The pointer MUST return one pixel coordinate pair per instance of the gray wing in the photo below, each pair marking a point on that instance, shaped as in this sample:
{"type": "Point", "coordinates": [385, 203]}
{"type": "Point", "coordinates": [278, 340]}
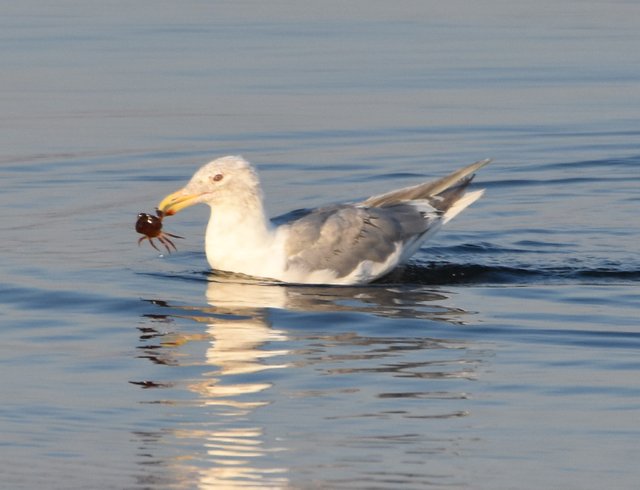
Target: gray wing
{"type": "Point", "coordinates": [340, 237]}
{"type": "Point", "coordinates": [447, 189]}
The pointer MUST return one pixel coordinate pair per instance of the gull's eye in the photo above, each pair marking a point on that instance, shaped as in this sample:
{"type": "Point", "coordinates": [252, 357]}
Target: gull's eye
{"type": "Point", "coordinates": [217, 178]}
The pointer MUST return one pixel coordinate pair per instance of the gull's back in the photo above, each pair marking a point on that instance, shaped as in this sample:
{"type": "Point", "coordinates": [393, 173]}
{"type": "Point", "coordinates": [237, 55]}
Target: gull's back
{"type": "Point", "coordinates": [358, 243]}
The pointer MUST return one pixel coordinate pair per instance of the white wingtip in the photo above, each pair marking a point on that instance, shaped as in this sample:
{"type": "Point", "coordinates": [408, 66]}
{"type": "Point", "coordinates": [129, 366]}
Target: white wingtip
{"type": "Point", "coordinates": [461, 204]}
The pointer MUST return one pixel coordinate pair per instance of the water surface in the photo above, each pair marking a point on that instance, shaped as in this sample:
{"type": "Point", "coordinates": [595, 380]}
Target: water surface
{"type": "Point", "coordinates": [504, 356]}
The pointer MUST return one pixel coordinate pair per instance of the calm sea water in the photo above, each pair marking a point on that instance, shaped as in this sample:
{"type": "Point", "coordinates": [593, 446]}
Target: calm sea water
{"type": "Point", "coordinates": [505, 356]}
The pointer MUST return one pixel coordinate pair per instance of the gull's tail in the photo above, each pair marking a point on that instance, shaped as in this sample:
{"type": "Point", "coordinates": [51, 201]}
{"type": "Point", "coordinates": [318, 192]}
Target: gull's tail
{"type": "Point", "coordinates": [446, 194]}
{"type": "Point", "coordinates": [467, 199]}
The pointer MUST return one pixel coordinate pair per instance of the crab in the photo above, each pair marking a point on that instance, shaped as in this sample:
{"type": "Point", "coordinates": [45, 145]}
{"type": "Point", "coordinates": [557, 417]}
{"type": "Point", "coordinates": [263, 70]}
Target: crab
{"type": "Point", "coordinates": [151, 227]}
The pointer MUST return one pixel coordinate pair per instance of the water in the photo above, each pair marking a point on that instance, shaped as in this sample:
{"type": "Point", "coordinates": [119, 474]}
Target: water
{"type": "Point", "coordinates": [505, 356]}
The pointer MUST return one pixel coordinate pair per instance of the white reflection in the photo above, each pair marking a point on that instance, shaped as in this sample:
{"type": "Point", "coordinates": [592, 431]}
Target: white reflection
{"type": "Point", "coordinates": [238, 349]}
{"type": "Point", "coordinates": [232, 451]}
{"type": "Point", "coordinates": [232, 454]}
{"type": "Point", "coordinates": [239, 295]}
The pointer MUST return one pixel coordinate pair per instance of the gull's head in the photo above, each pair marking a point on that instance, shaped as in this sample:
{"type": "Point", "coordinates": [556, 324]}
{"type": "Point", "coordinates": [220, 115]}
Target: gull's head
{"type": "Point", "coordinates": [225, 179]}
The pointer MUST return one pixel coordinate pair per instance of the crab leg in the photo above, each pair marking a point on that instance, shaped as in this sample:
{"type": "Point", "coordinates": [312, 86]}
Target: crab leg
{"type": "Point", "coordinates": [166, 242]}
{"type": "Point", "coordinates": [153, 244]}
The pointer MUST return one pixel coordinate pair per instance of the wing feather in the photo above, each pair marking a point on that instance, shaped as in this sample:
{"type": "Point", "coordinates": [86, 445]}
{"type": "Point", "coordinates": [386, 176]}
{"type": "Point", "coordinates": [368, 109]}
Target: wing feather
{"type": "Point", "coordinates": [339, 238]}
{"type": "Point", "coordinates": [428, 189]}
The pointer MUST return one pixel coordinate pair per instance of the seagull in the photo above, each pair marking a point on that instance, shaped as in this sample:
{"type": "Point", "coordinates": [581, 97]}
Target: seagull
{"type": "Point", "coordinates": [341, 244]}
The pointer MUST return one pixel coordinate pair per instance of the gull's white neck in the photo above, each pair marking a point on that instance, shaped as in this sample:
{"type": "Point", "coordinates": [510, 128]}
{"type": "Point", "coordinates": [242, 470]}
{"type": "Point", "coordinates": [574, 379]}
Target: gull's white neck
{"type": "Point", "coordinates": [240, 239]}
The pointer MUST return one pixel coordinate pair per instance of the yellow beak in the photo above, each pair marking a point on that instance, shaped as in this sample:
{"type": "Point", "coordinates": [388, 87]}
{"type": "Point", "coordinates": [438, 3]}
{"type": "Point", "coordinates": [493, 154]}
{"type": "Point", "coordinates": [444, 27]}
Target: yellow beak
{"type": "Point", "coordinates": [177, 201]}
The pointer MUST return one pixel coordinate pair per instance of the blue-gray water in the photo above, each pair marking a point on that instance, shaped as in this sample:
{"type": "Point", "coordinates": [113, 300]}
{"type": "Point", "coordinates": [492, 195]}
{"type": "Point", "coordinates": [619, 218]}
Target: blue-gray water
{"type": "Point", "coordinates": [506, 356]}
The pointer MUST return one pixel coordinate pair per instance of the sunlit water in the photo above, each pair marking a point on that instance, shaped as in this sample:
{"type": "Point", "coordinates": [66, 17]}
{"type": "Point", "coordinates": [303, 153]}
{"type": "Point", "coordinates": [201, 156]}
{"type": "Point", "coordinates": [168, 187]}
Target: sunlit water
{"type": "Point", "coordinates": [505, 356]}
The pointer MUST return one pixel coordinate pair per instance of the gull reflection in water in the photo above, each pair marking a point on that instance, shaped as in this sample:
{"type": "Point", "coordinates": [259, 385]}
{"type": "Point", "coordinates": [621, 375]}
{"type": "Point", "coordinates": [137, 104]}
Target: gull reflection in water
{"type": "Point", "coordinates": [241, 344]}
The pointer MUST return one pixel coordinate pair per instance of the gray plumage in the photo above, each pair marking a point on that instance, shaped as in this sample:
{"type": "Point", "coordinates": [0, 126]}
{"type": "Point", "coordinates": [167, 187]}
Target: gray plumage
{"type": "Point", "coordinates": [340, 237]}
{"type": "Point", "coordinates": [428, 189]}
